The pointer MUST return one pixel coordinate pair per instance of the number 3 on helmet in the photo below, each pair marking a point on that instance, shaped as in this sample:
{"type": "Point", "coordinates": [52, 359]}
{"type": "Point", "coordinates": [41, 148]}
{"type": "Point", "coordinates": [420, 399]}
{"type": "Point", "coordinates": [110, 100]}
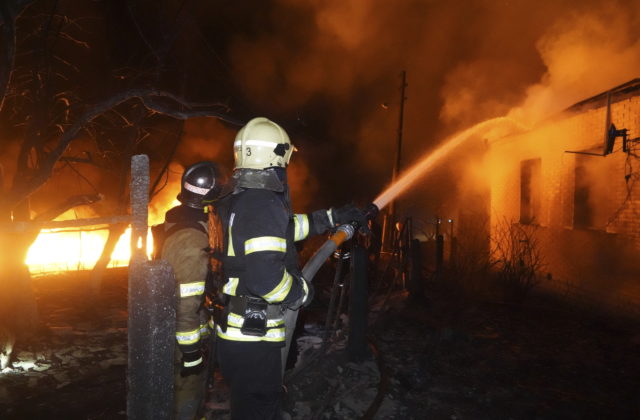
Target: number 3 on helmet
{"type": "Point", "coordinates": [262, 144]}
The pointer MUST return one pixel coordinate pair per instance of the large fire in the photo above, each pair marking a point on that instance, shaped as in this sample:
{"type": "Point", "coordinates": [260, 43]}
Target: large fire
{"type": "Point", "coordinates": [62, 250]}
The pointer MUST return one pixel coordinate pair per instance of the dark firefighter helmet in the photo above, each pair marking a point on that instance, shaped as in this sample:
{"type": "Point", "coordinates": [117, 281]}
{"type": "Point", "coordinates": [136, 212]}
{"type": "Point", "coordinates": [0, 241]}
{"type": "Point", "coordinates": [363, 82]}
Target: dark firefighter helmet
{"type": "Point", "coordinates": [200, 181]}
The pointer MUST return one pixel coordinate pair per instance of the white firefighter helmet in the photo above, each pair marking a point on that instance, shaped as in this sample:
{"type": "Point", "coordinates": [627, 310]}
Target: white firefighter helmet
{"type": "Point", "coordinates": [262, 144]}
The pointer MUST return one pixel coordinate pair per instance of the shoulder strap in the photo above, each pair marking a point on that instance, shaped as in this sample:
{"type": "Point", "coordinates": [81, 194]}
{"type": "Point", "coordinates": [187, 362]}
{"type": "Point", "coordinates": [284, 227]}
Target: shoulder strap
{"type": "Point", "coordinates": [185, 225]}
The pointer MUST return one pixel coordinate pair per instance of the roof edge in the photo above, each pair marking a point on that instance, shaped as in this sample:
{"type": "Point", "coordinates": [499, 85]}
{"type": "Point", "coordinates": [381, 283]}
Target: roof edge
{"type": "Point", "coordinates": [618, 93]}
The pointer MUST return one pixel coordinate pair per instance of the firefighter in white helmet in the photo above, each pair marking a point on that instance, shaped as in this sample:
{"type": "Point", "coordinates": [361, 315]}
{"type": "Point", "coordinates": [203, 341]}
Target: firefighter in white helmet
{"type": "Point", "coordinates": [261, 268]}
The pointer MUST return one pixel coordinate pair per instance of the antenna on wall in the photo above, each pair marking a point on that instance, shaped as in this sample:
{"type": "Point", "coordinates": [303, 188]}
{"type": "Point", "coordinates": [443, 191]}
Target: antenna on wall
{"type": "Point", "coordinates": [610, 139]}
{"type": "Point", "coordinates": [611, 133]}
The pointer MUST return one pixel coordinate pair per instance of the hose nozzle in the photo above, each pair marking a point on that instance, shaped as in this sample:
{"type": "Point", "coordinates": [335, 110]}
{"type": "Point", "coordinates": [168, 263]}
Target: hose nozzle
{"type": "Point", "coordinates": [371, 211]}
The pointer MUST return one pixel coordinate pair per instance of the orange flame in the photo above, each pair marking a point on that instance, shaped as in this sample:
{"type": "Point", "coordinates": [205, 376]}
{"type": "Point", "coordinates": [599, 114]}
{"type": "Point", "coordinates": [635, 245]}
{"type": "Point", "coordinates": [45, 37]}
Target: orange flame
{"type": "Point", "coordinates": [56, 250]}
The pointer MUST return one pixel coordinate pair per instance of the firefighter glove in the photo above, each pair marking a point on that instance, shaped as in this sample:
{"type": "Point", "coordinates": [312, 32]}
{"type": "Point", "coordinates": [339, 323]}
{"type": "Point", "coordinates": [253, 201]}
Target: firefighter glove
{"type": "Point", "coordinates": [307, 294]}
{"type": "Point", "coordinates": [192, 363]}
{"type": "Point", "coordinates": [350, 214]}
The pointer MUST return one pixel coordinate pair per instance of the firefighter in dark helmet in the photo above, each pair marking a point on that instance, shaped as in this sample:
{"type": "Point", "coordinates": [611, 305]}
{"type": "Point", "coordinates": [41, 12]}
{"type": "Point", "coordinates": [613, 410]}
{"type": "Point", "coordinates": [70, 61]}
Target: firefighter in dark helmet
{"type": "Point", "coordinates": [186, 245]}
{"type": "Point", "coordinates": [260, 268]}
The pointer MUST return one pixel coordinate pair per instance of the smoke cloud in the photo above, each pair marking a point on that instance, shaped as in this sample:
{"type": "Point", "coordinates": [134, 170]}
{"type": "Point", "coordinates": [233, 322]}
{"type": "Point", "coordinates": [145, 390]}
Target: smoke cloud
{"type": "Point", "coordinates": [588, 54]}
{"type": "Point", "coordinates": [334, 63]}
{"type": "Point", "coordinates": [583, 53]}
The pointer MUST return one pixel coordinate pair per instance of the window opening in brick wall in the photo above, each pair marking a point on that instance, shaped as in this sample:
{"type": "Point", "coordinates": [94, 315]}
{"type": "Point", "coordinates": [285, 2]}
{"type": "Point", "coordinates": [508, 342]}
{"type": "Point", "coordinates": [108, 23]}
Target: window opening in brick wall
{"type": "Point", "coordinates": [530, 191]}
{"type": "Point", "coordinates": [582, 213]}
{"type": "Point", "coordinates": [593, 193]}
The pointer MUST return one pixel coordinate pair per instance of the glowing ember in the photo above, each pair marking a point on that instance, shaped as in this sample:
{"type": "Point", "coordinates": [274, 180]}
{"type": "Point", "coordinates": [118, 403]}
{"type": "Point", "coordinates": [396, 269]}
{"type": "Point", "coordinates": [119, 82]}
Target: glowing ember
{"type": "Point", "coordinates": [428, 161]}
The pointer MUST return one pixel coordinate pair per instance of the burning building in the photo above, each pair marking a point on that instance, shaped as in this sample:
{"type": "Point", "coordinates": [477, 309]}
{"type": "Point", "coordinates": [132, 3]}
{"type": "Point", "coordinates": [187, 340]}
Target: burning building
{"type": "Point", "coordinates": [573, 180]}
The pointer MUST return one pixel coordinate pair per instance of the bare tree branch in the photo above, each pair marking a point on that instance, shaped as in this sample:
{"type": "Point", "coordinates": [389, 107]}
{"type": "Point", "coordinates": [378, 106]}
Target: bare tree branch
{"type": "Point", "coordinates": [68, 37]}
{"type": "Point", "coordinates": [69, 203]}
{"type": "Point", "coordinates": [154, 188]}
{"type": "Point", "coordinates": [88, 159]}
{"type": "Point", "coordinates": [8, 35]}
{"type": "Point", "coordinates": [166, 109]}
{"type": "Point", "coordinates": [25, 185]}
{"type": "Point", "coordinates": [9, 12]}
{"type": "Point", "coordinates": [141, 33]}
{"type": "Point", "coordinates": [115, 231]}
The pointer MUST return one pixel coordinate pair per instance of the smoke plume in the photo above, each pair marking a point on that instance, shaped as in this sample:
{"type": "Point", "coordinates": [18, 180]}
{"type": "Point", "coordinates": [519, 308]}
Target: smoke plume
{"type": "Point", "coordinates": [336, 65]}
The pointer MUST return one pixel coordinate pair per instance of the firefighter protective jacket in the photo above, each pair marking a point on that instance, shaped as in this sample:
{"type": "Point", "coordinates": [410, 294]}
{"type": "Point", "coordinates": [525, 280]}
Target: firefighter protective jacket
{"type": "Point", "coordinates": [185, 249]}
{"type": "Point", "coordinates": [260, 255]}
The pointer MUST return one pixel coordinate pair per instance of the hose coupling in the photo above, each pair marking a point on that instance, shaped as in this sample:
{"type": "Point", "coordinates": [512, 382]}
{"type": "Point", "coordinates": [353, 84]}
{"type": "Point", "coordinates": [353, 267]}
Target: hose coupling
{"type": "Point", "coordinates": [348, 230]}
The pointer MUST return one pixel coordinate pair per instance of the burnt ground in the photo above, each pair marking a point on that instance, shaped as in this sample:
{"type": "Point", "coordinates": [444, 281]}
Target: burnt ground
{"type": "Point", "coordinates": [447, 356]}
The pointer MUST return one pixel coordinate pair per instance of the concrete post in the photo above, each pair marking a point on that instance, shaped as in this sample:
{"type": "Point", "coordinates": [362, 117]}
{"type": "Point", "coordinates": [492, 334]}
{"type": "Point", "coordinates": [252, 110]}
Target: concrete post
{"type": "Point", "coordinates": [139, 196]}
{"type": "Point", "coordinates": [151, 308]}
{"type": "Point", "coordinates": [151, 328]}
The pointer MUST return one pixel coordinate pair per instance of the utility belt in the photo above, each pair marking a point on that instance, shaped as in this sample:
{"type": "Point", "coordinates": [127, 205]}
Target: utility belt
{"type": "Point", "coordinates": [254, 311]}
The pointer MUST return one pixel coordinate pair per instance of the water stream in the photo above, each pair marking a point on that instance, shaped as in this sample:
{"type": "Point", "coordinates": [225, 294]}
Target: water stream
{"type": "Point", "coordinates": [407, 178]}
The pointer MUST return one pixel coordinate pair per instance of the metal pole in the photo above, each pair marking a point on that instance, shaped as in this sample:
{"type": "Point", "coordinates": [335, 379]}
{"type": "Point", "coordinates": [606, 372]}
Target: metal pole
{"type": "Point", "coordinates": [451, 243]}
{"type": "Point", "coordinates": [416, 289]}
{"type": "Point", "coordinates": [396, 166]}
{"type": "Point", "coordinates": [439, 248]}
{"type": "Point", "coordinates": [334, 292]}
{"type": "Point", "coordinates": [385, 233]}
{"type": "Point", "coordinates": [343, 293]}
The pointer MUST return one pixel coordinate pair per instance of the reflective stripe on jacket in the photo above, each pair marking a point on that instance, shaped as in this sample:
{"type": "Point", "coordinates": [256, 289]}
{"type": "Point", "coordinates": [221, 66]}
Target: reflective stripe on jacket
{"type": "Point", "coordinates": [259, 235]}
{"type": "Point", "coordinates": [254, 260]}
{"type": "Point", "coordinates": [185, 250]}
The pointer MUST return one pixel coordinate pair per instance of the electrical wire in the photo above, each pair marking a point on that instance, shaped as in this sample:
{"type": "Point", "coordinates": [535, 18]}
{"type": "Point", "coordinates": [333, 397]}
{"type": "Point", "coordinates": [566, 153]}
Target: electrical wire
{"type": "Point", "coordinates": [630, 178]}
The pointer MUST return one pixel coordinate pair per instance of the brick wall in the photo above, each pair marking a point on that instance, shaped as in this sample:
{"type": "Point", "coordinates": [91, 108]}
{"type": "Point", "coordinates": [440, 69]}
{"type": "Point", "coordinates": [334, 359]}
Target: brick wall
{"type": "Point", "coordinates": [602, 259]}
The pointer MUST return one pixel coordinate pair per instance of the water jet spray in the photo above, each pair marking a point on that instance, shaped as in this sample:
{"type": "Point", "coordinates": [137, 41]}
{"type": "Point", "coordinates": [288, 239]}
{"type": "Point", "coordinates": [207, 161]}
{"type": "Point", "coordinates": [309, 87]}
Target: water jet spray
{"type": "Point", "coordinates": [429, 160]}
{"type": "Point", "coordinates": [346, 231]}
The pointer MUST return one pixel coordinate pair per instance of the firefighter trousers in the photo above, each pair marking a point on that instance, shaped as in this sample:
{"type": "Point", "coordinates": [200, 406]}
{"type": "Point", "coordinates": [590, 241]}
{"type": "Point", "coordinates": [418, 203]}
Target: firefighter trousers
{"type": "Point", "coordinates": [252, 371]}
{"type": "Point", "coordinates": [189, 392]}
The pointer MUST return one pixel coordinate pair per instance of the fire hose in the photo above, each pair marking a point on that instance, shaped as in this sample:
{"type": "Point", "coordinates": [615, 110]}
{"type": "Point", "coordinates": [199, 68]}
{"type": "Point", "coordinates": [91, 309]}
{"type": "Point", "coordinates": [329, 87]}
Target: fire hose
{"type": "Point", "coordinates": [342, 234]}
